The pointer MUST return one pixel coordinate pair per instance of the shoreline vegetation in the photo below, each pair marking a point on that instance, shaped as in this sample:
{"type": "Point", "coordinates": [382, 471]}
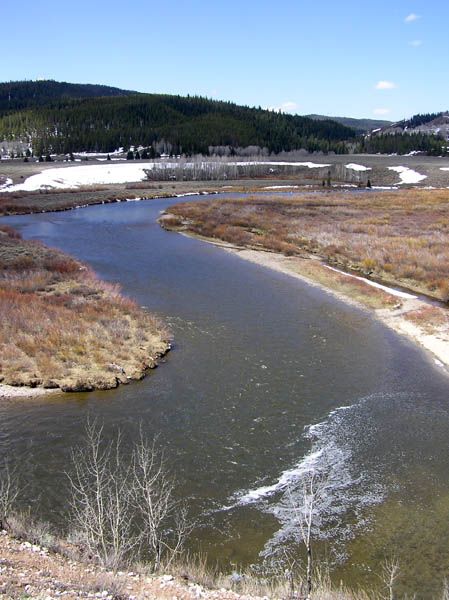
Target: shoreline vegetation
{"type": "Point", "coordinates": [64, 329]}
{"type": "Point", "coordinates": [387, 252]}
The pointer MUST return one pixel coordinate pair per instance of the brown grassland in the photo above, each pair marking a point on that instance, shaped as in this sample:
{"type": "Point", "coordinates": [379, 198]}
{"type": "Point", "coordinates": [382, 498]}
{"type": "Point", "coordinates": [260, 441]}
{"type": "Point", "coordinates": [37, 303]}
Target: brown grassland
{"type": "Point", "coordinates": [400, 238]}
{"type": "Point", "coordinates": [61, 327]}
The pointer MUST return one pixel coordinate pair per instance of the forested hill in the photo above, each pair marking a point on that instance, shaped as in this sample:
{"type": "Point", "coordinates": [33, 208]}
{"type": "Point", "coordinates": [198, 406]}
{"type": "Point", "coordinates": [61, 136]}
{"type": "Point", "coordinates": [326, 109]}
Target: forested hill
{"type": "Point", "coordinates": [52, 118]}
{"type": "Point", "coordinates": [16, 95]}
{"type": "Point", "coordinates": [360, 125]}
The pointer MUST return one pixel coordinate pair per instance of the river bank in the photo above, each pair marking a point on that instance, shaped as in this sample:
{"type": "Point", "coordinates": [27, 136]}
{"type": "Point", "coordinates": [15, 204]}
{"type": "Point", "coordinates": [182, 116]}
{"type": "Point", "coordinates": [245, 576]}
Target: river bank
{"type": "Point", "coordinates": [315, 240]}
{"type": "Point", "coordinates": [32, 570]}
{"type": "Point", "coordinates": [426, 325]}
{"type": "Point", "coordinates": [64, 329]}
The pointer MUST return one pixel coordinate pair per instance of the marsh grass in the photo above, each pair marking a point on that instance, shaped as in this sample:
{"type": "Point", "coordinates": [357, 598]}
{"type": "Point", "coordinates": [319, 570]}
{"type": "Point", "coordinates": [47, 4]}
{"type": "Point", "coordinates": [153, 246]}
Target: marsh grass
{"type": "Point", "coordinates": [398, 237]}
{"type": "Point", "coordinates": [63, 327]}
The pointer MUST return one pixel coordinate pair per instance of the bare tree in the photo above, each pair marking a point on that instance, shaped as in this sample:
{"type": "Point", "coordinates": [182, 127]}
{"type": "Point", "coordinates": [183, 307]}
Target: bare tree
{"type": "Point", "coordinates": [100, 498]}
{"type": "Point", "coordinates": [123, 508]}
{"type": "Point", "coordinates": [165, 526]}
{"type": "Point", "coordinates": [445, 591]}
{"type": "Point", "coordinates": [9, 492]}
{"type": "Point", "coordinates": [390, 573]}
{"type": "Point", "coordinates": [305, 511]}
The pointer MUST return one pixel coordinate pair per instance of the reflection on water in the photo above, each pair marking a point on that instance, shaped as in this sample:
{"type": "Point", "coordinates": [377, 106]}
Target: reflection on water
{"type": "Point", "coordinates": [250, 396]}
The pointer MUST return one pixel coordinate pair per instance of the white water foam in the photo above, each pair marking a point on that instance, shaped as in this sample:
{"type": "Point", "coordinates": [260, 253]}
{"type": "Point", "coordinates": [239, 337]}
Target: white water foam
{"type": "Point", "coordinates": [344, 488]}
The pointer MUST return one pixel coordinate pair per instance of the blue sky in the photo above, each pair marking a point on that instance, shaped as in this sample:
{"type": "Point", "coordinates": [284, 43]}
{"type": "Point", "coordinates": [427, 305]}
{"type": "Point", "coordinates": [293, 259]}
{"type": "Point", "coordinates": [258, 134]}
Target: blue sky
{"type": "Point", "coordinates": [379, 59]}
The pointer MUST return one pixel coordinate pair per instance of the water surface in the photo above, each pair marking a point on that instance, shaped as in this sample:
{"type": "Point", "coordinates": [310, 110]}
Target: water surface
{"type": "Point", "coordinates": [252, 394]}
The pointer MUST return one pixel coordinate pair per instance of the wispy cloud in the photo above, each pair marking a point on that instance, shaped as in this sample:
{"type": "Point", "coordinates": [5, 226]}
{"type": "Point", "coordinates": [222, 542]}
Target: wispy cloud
{"type": "Point", "coordinates": [385, 85]}
{"type": "Point", "coordinates": [411, 17]}
{"type": "Point", "coordinates": [286, 107]}
{"type": "Point", "coordinates": [415, 43]}
{"type": "Point", "coordinates": [381, 111]}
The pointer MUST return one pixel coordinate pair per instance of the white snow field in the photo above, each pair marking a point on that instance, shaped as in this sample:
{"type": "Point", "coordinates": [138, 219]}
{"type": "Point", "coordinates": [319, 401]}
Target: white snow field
{"type": "Point", "coordinates": [407, 175]}
{"type": "Point", "coordinates": [73, 177]}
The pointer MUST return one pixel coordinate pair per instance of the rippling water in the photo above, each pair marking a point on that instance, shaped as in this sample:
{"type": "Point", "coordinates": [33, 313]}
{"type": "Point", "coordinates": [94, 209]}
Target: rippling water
{"type": "Point", "coordinates": [268, 378]}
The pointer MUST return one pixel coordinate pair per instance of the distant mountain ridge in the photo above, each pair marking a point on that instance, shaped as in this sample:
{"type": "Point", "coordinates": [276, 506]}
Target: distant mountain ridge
{"type": "Point", "coordinates": [58, 117]}
{"type": "Point", "coordinates": [360, 125]}
{"type": "Point", "coordinates": [429, 124]}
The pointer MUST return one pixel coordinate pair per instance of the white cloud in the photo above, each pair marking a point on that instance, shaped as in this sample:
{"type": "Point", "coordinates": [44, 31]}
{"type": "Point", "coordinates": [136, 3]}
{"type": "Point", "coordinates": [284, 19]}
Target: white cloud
{"type": "Point", "coordinates": [411, 17]}
{"type": "Point", "coordinates": [285, 107]}
{"type": "Point", "coordinates": [416, 43]}
{"type": "Point", "coordinates": [385, 85]}
{"type": "Point", "coordinates": [381, 111]}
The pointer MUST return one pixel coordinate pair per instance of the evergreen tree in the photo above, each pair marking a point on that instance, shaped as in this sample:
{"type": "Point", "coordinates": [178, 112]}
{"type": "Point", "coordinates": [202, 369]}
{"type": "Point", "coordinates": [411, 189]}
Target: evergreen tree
{"type": "Point", "coordinates": [130, 155]}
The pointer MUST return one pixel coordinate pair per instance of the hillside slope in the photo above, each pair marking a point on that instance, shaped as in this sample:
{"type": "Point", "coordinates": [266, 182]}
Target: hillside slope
{"type": "Point", "coordinates": [17, 95]}
{"type": "Point", "coordinates": [360, 125]}
{"type": "Point", "coordinates": [52, 121]}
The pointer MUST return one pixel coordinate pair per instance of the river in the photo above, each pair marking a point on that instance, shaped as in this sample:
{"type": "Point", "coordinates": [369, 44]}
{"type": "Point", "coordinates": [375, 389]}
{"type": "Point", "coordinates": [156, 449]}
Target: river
{"type": "Point", "coordinates": [268, 377]}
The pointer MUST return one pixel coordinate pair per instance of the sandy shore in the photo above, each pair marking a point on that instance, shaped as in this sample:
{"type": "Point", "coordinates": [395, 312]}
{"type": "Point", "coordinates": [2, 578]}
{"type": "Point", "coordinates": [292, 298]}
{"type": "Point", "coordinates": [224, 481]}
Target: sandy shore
{"type": "Point", "coordinates": [397, 317]}
{"type": "Point", "coordinates": [10, 391]}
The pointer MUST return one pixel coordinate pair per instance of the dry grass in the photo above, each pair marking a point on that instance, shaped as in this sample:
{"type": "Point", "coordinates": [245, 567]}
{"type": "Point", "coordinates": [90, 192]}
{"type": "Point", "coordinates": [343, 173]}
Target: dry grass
{"type": "Point", "coordinates": [399, 237]}
{"type": "Point", "coordinates": [359, 291]}
{"type": "Point", "coordinates": [62, 327]}
{"type": "Point", "coordinates": [431, 319]}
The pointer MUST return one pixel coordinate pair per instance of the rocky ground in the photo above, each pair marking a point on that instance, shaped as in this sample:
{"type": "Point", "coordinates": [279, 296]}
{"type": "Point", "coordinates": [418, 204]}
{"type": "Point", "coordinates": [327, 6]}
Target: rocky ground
{"type": "Point", "coordinates": [31, 571]}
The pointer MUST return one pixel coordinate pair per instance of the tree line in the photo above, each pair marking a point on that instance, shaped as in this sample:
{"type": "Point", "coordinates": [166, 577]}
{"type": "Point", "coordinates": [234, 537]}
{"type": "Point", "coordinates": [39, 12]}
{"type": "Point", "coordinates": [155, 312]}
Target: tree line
{"type": "Point", "coordinates": [189, 124]}
{"type": "Point", "coordinates": [403, 143]}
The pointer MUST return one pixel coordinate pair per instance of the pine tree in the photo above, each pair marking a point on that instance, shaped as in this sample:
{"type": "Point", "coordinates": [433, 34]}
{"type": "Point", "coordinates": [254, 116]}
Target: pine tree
{"type": "Point", "coordinates": [130, 155]}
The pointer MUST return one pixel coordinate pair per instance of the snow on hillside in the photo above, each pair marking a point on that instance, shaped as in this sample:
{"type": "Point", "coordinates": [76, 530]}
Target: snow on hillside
{"type": "Point", "coordinates": [407, 175]}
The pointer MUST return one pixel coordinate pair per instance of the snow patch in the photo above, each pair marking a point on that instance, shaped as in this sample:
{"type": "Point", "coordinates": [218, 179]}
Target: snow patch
{"type": "Point", "coordinates": [279, 187]}
{"type": "Point", "coordinates": [73, 177]}
{"type": "Point", "coordinates": [356, 167]}
{"type": "Point", "coordinates": [392, 291]}
{"type": "Point", "coordinates": [407, 175]}
{"type": "Point", "coordinates": [7, 182]}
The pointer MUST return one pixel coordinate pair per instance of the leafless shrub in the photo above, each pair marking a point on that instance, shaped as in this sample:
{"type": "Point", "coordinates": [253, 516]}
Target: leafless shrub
{"type": "Point", "coordinates": [122, 509]}
{"type": "Point", "coordinates": [9, 492]}
{"type": "Point", "coordinates": [390, 574]}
